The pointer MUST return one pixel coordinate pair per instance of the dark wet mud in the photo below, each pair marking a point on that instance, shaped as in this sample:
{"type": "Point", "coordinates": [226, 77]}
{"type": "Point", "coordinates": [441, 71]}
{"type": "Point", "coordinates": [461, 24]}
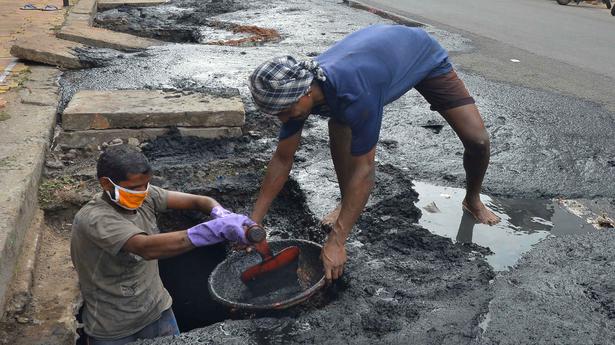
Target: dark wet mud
{"type": "Point", "coordinates": [187, 22]}
{"type": "Point", "coordinates": [401, 280]}
{"type": "Point", "coordinates": [278, 288]}
{"type": "Point", "coordinates": [562, 292]}
{"type": "Point", "coordinates": [177, 21]}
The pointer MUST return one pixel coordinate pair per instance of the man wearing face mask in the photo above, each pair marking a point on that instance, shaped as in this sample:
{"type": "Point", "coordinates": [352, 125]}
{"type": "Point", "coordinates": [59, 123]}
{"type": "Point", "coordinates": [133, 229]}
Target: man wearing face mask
{"type": "Point", "coordinates": [116, 243]}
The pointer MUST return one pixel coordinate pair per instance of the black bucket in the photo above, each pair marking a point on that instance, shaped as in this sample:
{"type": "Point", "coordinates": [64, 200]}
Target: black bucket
{"type": "Point", "coordinates": [284, 289]}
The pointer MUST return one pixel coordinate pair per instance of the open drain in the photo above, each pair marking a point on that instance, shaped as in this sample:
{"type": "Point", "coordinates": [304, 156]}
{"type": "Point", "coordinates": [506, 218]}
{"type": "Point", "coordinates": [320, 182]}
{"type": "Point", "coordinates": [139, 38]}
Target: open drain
{"type": "Point", "coordinates": [186, 276]}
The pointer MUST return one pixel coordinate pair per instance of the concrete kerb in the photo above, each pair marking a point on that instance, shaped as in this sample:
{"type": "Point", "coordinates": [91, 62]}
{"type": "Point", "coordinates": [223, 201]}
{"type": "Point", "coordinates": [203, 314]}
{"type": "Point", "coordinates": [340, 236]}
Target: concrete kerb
{"type": "Point", "coordinates": [20, 289]}
{"type": "Point", "coordinates": [23, 145]}
{"type": "Point", "coordinates": [91, 139]}
{"type": "Point", "coordinates": [78, 19]}
{"type": "Point", "coordinates": [84, 7]}
{"type": "Point", "coordinates": [384, 14]}
{"type": "Point", "coordinates": [78, 28]}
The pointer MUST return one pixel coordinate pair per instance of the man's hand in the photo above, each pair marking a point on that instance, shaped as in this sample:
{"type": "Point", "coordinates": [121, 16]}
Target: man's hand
{"type": "Point", "coordinates": [333, 257]}
{"type": "Point", "coordinates": [229, 228]}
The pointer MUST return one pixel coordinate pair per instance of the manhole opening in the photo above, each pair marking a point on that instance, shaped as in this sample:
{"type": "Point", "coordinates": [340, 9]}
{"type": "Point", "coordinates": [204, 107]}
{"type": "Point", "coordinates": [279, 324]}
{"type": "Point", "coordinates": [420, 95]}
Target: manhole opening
{"type": "Point", "coordinates": [186, 276]}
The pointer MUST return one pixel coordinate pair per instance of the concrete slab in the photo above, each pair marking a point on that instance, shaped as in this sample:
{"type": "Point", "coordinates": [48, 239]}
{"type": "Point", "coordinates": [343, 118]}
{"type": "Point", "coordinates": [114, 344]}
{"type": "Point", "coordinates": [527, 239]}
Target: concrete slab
{"type": "Point", "coordinates": [103, 38]}
{"type": "Point", "coordinates": [108, 4]}
{"type": "Point", "coordinates": [33, 97]}
{"type": "Point", "coordinates": [78, 19]}
{"type": "Point", "coordinates": [93, 138]}
{"type": "Point", "coordinates": [85, 7]}
{"type": "Point", "coordinates": [48, 50]}
{"type": "Point", "coordinates": [26, 134]}
{"type": "Point", "coordinates": [91, 109]}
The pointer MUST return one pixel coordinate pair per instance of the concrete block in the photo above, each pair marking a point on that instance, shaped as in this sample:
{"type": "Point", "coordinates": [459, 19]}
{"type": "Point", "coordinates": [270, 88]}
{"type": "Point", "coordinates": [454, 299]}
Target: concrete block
{"type": "Point", "coordinates": [48, 50]}
{"type": "Point", "coordinates": [108, 4]}
{"type": "Point", "coordinates": [103, 38]}
{"type": "Point", "coordinates": [91, 109]}
{"type": "Point", "coordinates": [78, 19]}
{"type": "Point", "coordinates": [85, 7]}
{"type": "Point", "coordinates": [94, 138]}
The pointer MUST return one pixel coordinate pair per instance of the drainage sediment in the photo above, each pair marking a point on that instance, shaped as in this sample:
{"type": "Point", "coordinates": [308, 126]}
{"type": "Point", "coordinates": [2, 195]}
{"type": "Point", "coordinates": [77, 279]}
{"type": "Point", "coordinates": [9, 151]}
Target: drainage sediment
{"type": "Point", "coordinates": [186, 22]}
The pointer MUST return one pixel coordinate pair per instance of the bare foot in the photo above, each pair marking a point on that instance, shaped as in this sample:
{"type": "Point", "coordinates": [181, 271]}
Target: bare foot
{"type": "Point", "coordinates": [480, 212]}
{"type": "Point", "coordinates": [327, 222]}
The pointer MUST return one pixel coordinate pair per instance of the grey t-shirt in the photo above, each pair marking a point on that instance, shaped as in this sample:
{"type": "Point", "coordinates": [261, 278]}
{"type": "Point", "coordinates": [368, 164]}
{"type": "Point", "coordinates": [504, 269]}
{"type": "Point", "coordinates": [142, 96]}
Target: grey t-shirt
{"type": "Point", "coordinates": [122, 292]}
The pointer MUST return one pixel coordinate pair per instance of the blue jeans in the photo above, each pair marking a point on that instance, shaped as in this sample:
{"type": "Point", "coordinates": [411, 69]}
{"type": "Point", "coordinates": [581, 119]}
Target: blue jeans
{"type": "Point", "coordinates": [164, 326]}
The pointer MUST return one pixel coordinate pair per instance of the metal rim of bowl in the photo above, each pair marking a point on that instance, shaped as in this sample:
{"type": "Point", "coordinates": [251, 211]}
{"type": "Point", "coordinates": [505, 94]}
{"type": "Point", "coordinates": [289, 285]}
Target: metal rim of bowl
{"type": "Point", "coordinates": [272, 306]}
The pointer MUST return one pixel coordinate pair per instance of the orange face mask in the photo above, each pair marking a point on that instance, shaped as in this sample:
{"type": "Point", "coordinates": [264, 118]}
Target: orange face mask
{"type": "Point", "coordinates": [127, 198]}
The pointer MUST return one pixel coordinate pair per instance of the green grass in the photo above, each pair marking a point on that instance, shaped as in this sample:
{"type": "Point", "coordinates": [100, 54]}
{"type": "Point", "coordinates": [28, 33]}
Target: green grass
{"type": "Point", "coordinates": [51, 191]}
{"type": "Point", "coordinates": [4, 116]}
{"type": "Point", "coordinates": [7, 163]}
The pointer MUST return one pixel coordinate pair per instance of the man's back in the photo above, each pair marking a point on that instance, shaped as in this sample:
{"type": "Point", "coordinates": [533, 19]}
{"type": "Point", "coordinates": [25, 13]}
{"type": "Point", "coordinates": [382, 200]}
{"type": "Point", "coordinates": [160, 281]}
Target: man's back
{"type": "Point", "coordinates": [393, 58]}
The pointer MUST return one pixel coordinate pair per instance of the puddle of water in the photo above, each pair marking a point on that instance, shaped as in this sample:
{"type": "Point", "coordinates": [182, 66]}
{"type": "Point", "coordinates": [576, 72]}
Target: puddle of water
{"type": "Point", "coordinates": [525, 222]}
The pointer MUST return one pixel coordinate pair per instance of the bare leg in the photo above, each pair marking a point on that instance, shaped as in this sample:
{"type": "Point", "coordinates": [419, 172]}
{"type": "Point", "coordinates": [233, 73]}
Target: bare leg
{"type": "Point", "coordinates": [468, 124]}
{"type": "Point", "coordinates": [339, 143]}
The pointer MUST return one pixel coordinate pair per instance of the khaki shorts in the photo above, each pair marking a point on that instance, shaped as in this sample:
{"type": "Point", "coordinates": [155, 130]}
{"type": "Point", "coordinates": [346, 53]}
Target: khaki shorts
{"type": "Point", "coordinates": [444, 92]}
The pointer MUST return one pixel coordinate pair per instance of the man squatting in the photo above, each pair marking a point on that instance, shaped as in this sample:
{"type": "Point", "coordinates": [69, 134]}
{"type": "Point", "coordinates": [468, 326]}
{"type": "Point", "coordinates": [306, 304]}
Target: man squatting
{"type": "Point", "coordinates": [350, 83]}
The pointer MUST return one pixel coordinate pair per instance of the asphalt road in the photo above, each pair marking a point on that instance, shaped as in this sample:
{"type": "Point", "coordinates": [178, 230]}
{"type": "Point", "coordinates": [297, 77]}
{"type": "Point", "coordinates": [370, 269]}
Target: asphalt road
{"type": "Point", "coordinates": [582, 36]}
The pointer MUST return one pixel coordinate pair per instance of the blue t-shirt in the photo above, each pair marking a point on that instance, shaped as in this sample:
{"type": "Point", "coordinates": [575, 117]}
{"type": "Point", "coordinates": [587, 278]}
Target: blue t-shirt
{"type": "Point", "coordinates": [369, 69]}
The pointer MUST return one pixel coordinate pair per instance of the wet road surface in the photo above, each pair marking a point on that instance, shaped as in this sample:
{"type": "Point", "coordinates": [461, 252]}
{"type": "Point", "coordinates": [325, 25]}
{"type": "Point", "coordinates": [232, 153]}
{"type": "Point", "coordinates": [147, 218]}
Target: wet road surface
{"type": "Point", "coordinates": [572, 34]}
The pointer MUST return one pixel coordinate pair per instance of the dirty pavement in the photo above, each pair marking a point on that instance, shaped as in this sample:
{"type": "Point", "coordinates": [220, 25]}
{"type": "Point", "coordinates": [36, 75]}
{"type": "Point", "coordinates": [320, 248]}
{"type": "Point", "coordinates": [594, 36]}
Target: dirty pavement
{"type": "Point", "coordinates": [403, 283]}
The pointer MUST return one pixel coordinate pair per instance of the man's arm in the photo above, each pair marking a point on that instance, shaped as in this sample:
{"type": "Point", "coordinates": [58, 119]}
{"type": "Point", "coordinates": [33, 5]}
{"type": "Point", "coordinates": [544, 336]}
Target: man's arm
{"type": "Point", "coordinates": [158, 246]}
{"type": "Point", "coordinates": [276, 176]}
{"type": "Point", "coordinates": [170, 244]}
{"type": "Point", "coordinates": [355, 197]}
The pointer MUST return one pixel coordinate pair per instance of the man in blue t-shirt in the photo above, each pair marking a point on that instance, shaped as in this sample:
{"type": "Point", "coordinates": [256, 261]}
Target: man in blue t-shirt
{"type": "Point", "coordinates": [350, 83]}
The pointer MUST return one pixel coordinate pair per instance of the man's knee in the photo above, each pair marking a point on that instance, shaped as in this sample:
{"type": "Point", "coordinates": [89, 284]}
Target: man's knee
{"type": "Point", "coordinates": [478, 144]}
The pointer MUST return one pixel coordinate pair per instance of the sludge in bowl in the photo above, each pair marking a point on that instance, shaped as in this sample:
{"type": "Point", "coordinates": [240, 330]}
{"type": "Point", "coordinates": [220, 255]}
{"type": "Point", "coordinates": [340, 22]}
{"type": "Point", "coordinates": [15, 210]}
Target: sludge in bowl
{"type": "Point", "coordinates": [282, 289]}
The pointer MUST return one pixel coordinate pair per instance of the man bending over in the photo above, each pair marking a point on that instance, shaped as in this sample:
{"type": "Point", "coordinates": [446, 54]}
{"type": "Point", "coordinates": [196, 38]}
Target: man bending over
{"type": "Point", "coordinates": [350, 83]}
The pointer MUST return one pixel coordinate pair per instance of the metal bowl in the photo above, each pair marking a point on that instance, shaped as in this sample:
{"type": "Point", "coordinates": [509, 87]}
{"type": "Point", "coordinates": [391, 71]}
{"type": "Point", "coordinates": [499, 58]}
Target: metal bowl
{"type": "Point", "coordinates": [280, 291]}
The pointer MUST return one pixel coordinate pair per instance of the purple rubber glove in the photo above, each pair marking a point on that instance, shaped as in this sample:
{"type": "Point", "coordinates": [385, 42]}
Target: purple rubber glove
{"type": "Point", "coordinates": [219, 212]}
{"type": "Point", "coordinates": [228, 228]}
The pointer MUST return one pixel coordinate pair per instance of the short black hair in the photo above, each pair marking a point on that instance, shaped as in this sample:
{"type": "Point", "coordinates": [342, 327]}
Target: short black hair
{"type": "Point", "coordinates": [119, 161]}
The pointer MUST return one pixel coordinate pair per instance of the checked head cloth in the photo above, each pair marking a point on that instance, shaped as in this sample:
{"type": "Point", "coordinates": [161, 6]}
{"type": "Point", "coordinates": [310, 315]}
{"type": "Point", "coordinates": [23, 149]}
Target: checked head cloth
{"type": "Point", "coordinates": [280, 82]}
